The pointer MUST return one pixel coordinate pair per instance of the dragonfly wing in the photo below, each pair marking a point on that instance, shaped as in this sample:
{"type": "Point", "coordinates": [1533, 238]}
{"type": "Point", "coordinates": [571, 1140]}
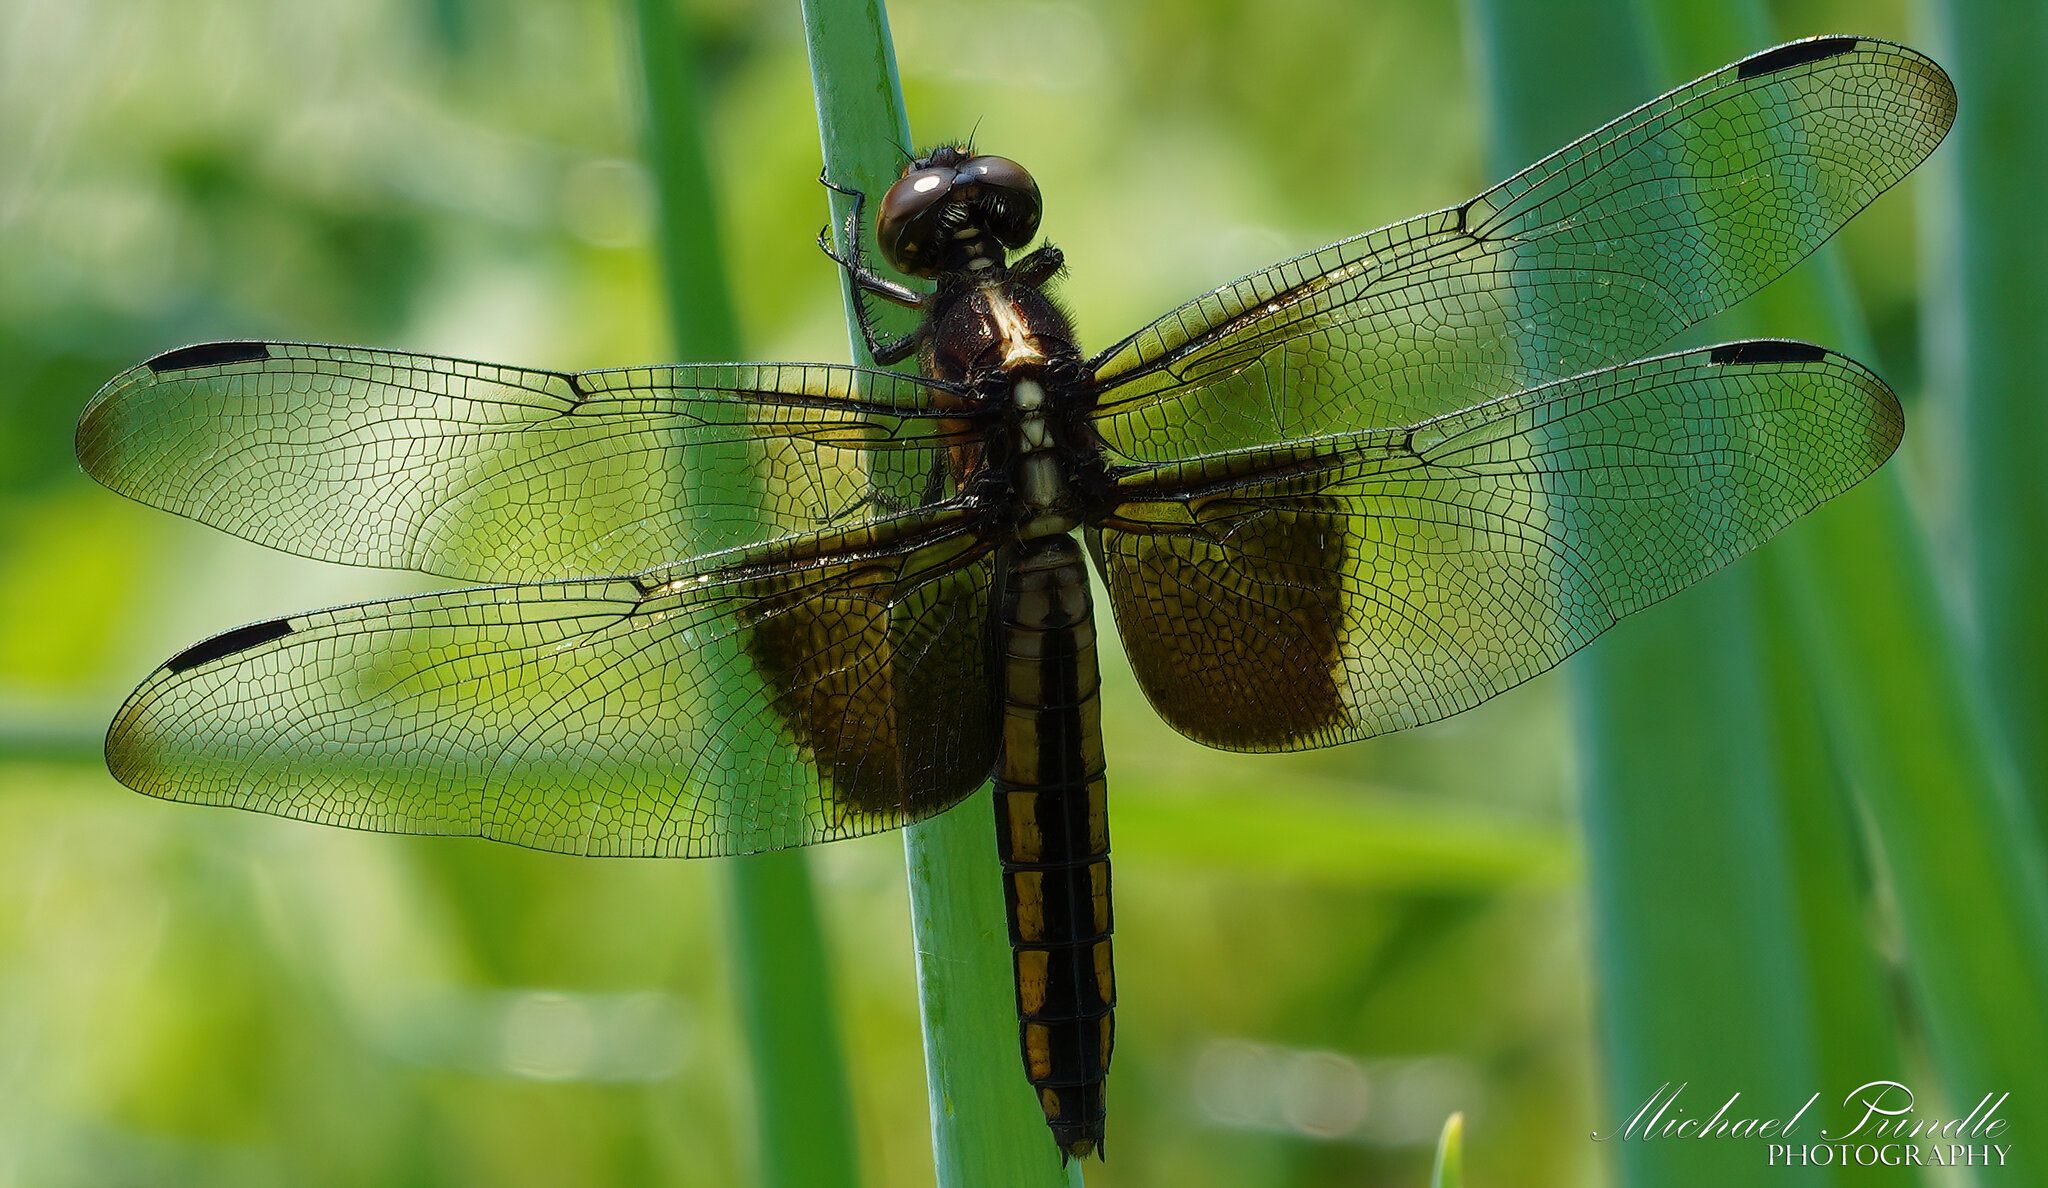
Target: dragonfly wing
{"type": "Point", "coordinates": [1298, 596]}
{"type": "Point", "coordinates": [770, 698]}
{"type": "Point", "coordinates": [489, 473]}
{"type": "Point", "coordinates": [1593, 255]}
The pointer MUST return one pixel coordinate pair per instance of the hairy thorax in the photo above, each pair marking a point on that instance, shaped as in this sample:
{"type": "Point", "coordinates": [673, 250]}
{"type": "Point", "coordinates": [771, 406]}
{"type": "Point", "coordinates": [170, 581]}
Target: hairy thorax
{"type": "Point", "coordinates": [1010, 345]}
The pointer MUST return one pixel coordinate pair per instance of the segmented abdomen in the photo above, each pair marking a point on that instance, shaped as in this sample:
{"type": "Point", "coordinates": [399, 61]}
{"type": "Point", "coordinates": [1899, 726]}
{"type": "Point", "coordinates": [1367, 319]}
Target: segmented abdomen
{"type": "Point", "coordinates": [1052, 826]}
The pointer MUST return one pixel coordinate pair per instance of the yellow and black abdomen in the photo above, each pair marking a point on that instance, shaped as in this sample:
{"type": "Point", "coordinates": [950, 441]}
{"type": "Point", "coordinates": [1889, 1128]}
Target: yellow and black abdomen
{"type": "Point", "coordinates": [1052, 828]}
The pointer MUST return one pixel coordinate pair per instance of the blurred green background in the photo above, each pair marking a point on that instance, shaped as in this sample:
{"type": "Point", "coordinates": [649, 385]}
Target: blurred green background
{"type": "Point", "coordinates": [1320, 956]}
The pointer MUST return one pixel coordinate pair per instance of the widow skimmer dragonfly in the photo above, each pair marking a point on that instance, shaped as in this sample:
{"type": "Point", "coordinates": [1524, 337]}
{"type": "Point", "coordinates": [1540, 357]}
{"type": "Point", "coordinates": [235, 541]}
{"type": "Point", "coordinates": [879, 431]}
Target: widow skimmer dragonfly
{"type": "Point", "coordinates": [754, 606]}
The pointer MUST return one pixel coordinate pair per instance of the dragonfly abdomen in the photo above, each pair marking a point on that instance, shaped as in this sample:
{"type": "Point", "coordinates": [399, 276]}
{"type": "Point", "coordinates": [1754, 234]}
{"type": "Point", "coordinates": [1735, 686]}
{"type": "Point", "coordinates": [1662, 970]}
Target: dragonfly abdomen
{"type": "Point", "coordinates": [1052, 828]}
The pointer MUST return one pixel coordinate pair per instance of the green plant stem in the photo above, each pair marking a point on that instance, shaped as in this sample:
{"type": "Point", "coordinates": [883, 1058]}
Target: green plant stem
{"type": "Point", "coordinates": [1450, 1155]}
{"type": "Point", "coordinates": [688, 236]}
{"type": "Point", "coordinates": [1952, 828]}
{"type": "Point", "coordinates": [1852, 1023]}
{"type": "Point", "coordinates": [1986, 352]}
{"type": "Point", "coordinates": [782, 983]}
{"type": "Point", "coordinates": [1955, 838]}
{"type": "Point", "coordinates": [1687, 851]}
{"type": "Point", "coordinates": [986, 1127]}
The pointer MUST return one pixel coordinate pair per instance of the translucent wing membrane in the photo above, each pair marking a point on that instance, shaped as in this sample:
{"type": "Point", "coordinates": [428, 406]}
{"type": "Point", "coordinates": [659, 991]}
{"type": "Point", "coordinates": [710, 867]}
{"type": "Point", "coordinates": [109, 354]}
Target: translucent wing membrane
{"type": "Point", "coordinates": [772, 697]}
{"type": "Point", "coordinates": [1362, 490]}
{"type": "Point", "coordinates": [1295, 596]}
{"type": "Point", "coordinates": [1602, 250]}
{"type": "Point", "coordinates": [493, 473]}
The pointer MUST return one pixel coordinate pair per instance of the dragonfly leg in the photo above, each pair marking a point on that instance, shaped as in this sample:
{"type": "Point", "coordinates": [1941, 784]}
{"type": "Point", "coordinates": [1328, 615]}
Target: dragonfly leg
{"type": "Point", "coordinates": [864, 280]}
{"type": "Point", "coordinates": [1040, 267]}
{"type": "Point", "coordinates": [878, 499]}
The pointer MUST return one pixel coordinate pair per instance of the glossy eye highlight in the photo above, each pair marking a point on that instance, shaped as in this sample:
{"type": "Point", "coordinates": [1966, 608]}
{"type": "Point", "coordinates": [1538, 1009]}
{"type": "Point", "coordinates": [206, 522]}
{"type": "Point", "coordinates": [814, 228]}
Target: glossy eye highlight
{"type": "Point", "coordinates": [911, 212]}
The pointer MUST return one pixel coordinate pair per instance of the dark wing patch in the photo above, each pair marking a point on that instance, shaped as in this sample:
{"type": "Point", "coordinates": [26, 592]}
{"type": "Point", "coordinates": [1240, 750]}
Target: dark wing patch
{"type": "Point", "coordinates": [1666, 216]}
{"type": "Point", "coordinates": [482, 472]}
{"type": "Point", "coordinates": [773, 697]}
{"type": "Point", "coordinates": [868, 668]}
{"type": "Point", "coordinates": [1797, 53]}
{"type": "Point", "coordinates": [208, 354]}
{"type": "Point", "coordinates": [1767, 350]}
{"type": "Point", "coordinates": [1244, 589]}
{"type": "Point", "coordinates": [227, 643]}
{"type": "Point", "coordinates": [1317, 593]}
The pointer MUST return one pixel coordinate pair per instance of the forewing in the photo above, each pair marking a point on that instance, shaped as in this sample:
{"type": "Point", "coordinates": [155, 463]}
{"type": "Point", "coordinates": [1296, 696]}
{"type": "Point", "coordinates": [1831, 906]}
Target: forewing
{"type": "Point", "coordinates": [489, 473]}
{"type": "Point", "coordinates": [1606, 248]}
{"type": "Point", "coordinates": [774, 698]}
{"type": "Point", "coordinates": [1300, 596]}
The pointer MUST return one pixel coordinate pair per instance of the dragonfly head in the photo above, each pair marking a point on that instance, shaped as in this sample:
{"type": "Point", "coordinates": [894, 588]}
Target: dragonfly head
{"type": "Point", "coordinates": [952, 207]}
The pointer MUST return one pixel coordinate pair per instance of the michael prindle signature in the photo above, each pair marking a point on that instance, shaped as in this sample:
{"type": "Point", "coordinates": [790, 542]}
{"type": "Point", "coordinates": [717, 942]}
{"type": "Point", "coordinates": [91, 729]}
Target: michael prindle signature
{"type": "Point", "coordinates": [1876, 1125]}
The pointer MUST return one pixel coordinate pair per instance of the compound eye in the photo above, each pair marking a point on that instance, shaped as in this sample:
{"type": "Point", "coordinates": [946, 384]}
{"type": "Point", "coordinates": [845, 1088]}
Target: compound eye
{"type": "Point", "coordinates": [905, 228]}
{"type": "Point", "coordinates": [1009, 203]}
{"type": "Point", "coordinates": [998, 171]}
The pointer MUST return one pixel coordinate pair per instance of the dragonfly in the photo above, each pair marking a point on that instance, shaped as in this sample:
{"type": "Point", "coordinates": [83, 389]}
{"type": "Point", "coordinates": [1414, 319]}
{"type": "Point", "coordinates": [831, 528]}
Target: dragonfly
{"type": "Point", "coordinates": [726, 608]}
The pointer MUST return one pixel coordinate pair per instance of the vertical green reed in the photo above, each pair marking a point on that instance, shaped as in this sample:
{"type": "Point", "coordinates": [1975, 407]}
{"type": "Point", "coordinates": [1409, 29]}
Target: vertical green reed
{"type": "Point", "coordinates": [1985, 308]}
{"type": "Point", "coordinates": [1732, 915]}
{"type": "Point", "coordinates": [803, 1118]}
{"type": "Point", "coordinates": [1449, 1171]}
{"type": "Point", "coordinates": [986, 1127]}
{"type": "Point", "coordinates": [1694, 905]}
{"type": "Point", "coordinates": [1953, 835]}
{"type": "Point", "coordinates": [1838, 976]}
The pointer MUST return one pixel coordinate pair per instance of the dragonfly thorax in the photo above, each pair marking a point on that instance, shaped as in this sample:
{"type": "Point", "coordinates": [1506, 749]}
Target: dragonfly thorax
{"type": "Point", "coordinates": [1010, 344]}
